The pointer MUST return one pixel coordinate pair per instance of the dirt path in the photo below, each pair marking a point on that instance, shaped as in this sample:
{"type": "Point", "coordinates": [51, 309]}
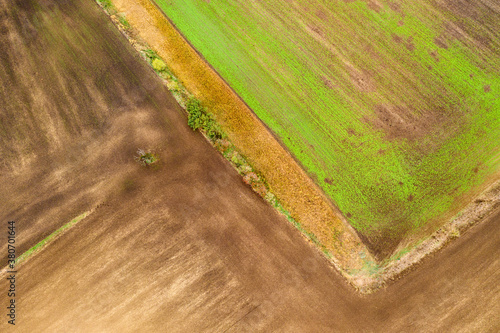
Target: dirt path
{"type": "Point", "coordinates": [188, 247]}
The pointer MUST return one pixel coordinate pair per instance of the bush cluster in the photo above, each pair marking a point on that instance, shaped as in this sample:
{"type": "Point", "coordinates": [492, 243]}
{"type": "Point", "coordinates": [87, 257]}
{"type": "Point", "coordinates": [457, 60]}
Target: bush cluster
{"type": "Point", "coordinates": [159, 65]}
{"type": "Point", "coordinates": [107, 5]}
{"type": "Point", "coordinates": [199, 118]}
{"type": "Point", "coordinates": [146, 157]}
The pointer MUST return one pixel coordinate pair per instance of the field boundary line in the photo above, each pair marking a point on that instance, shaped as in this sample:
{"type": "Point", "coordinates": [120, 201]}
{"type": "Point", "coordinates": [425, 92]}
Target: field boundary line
{"type": "Point", "coordinates": [287, 180]}
{"type": "Point", "coordinates": [44, 243]}
{"type": "Point", "coordinates": [342, 248]}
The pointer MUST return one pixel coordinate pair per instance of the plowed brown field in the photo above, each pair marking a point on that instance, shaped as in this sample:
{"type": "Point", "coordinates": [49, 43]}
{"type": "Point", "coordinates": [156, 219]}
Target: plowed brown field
{"type": "Point", "coordinates": [186, 247]}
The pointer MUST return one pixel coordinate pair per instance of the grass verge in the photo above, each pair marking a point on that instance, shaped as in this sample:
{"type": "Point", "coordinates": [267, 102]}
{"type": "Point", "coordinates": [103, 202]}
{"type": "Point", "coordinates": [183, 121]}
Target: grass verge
{"type": "Point", "coordinates": [50, 238]}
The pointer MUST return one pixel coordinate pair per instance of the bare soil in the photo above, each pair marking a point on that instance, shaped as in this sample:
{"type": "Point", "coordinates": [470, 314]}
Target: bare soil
{"type": "Point", "coordinates": [76, 104]}
{"type": "Point", "coordinates": [398, 122]}
{"type": "Point", "coordinates": [186, 247]}
{"type": "Point", "coordinates": [211, 256]}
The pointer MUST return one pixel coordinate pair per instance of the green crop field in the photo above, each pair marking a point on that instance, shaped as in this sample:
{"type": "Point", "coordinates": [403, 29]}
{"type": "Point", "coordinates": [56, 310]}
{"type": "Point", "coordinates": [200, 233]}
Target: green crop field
{"type": "Point", "coordinates": [393, 108]}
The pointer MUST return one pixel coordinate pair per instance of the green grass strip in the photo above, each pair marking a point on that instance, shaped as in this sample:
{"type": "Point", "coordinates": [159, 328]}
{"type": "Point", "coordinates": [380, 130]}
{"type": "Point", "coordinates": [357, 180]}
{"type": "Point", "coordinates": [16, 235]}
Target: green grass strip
{"type": "Point", "coordinates": [38, 247]}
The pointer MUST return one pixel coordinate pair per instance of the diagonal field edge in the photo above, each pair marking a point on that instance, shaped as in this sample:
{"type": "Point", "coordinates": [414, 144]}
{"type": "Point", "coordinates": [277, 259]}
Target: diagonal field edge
{"type": "Point", "coordinates": [371, 274]}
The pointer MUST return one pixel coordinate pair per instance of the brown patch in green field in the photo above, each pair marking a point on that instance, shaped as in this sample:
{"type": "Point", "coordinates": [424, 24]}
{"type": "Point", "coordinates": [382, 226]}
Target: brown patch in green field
{"type": "Point", "coordinates": [383, 242]}
{"type": "Point", "coordinates": [441, 42]}
{"type": "Point", "coordinates": [361, 79]}
{"type": "Point", "coordinates": [399, 122]}
{"type": "Point", "coordinates": [472, 23]}
{"type": "Point", "coordinates": [327, 82]}
{"type": "Point", "coordinates": [375, 5]}
{"type": "Point", "coordinates": [408, 42]}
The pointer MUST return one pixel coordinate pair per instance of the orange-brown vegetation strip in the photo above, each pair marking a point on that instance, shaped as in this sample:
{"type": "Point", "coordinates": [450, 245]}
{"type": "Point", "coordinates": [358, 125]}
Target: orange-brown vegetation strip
{"type": "Point", "coordinates": [295, 190]}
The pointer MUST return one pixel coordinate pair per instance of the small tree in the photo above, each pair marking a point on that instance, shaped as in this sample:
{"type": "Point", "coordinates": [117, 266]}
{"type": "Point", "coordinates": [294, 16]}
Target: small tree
{"type": "Point", "coordinates": [145, 157]}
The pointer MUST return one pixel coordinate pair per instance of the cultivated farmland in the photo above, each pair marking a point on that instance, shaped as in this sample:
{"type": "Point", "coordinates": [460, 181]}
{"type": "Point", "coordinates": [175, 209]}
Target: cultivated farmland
{"type": "Point", "coordinates": [392, 108]}
{"type": "Point", "coordinates": [71, 96]}
{"type": "Point", "coordinates": [185, 246]}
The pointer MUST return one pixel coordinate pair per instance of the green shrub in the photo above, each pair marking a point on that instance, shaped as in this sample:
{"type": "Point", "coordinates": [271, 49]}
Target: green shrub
{"type": "Point", "coordinates": [124, 21]}
{"type": "Point", "coordinates": [214, 131]}
{"type": "Point", "coordinates": [195, 114]}
{"type": "Point", "coordinates": [198, 118]}
{"type": "Point", "coordinates": [150, 54]}
{"type": "Point", "coordinates": [237, 160]}
{"type": "Point", "coordinates": [159, 65]}
{"type": "Point", "coordinates": [106, 4]}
